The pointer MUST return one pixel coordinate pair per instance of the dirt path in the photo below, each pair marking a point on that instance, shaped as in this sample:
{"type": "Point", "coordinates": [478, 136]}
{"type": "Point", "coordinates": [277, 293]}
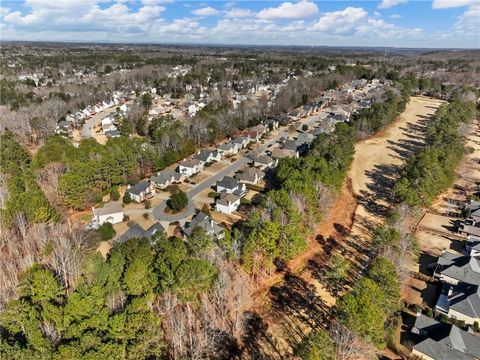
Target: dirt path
{"type": "Point", "coordinates": [298, 302]}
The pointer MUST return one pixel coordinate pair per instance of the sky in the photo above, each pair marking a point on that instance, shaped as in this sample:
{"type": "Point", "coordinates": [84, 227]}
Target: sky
{"type": "Point", "coordinates": [393, 23]}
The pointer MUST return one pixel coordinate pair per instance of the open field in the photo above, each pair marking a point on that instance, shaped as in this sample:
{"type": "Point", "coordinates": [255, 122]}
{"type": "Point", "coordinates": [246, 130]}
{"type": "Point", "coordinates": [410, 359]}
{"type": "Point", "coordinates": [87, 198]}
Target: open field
{"type": "Point", "coordinates": [299, 301]}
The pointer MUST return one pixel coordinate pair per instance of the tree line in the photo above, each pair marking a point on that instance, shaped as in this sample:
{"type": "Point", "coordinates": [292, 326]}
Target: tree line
{"type": "Point", "coordinates": [431, 171]}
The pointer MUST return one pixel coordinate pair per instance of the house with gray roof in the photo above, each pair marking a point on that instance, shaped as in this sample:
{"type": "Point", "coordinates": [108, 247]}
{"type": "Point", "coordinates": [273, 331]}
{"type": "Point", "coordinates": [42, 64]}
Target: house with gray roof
{"type": "Point", "coordinates": [190, 167]}
{"type": "Point", "coordinates": [472, 246]}
{"type": "Point", "coordinates": [473, 209]}
{"type": "Point", "coordinates": [229, 148]}
{"type": "Point", "coordinates": [460, 302]}
{"type": "Point", "coordinates": [452, 269]}
{"type": "Point", "coordinates": [141, 191]}
{"type": "Point", "coordinates": [250, 175]}
{"type": "Point", "coordinates": [445, 342]}
{"type": "Point", "coordinates": [136, 231]}
{"type": "Point", "coordinates": [241, 141]}
{"type": "Point", "coordinates": [165, 178]}
{"type": "Point", "coordinates": [305, 138]}
{"type": "Point", "coordinates": [204, 221]}
{"type": "Point", "coordinates": [207, 156]}
{"type": "Point", "coordinates": [230, 185]}
{"type": "Point", "coordinates": [264, 162]}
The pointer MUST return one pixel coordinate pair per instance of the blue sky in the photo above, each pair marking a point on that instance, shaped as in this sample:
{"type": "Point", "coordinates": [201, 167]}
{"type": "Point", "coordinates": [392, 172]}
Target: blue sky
{"type": "Point", "coordinates": [400, 23]}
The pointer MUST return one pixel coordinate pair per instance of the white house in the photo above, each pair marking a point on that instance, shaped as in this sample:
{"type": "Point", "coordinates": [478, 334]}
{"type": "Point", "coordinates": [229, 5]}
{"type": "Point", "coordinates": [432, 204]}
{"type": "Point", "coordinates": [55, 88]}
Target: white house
{"type": "Point", "coordinates": [190, 167]}
{"type": "Point", "coordinates": [231, 186]}
{"type": "Point", "coordinates": [166, 177]}
{"type": "Point", "coordinates": [207, 156]}
{"type": "Point", "coordinates": [141, 191]}
{"type": "Point", "coordinates": [111, 212]}
{"type": "Point", "coordinates": [241, 141]}
{"type": "Point", "coordinates": [228, 203]}
{"type": "Point", "coordinates": [192, 110]}
{"type": "Point", "coordinates": [107, 125]}
{"type": "Point", "coordinates": [228, 149]}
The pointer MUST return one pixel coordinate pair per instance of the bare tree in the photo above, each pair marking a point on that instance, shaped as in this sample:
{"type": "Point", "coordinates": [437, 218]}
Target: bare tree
{"type": "Point", "coordinates": [350, 346]}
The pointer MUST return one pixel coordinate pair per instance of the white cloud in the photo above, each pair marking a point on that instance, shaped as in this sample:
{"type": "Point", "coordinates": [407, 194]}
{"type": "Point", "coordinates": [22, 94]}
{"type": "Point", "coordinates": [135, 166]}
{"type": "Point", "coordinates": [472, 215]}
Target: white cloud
{"type": "Point", "coordinates": [446, 4]}
{"type": "Point", "coordinates": [4, 11]}
{"type": "Point", "coordinates": [395, 16]}
{"type": "Point", "coordinates": [288, 10]}
{"type": "Point", "coordinates": [469, 22]}
{"type": "Point", "coordinates": [340, 22]}
{"type": "Point", "coordinates": [206, 11]}
{"type": "Point", "coordinates": [386, 4]}
{"type": "Point", "coordinates": [239, 13]}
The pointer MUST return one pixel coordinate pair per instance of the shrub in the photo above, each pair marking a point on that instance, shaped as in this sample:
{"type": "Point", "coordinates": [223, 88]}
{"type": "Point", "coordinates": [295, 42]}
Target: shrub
{"type": "Point", "coordinates": [429, 312]}
{"type": "Point", "coordinates": [106, 231]}
{"type": "Point", "coordinates": [127, 199]}
{"type": "Point", "coordinates": [148, 204]}
{"type": "Point", "coordinates": [304, 127]}
{"type": "Point", "coordinates": [146, 215]}
{"type": "Point", "coordinates": [114, 194]}
{"type": "Point", "coordinates": [476, 326]}
{"type": "Point", "coordinates": [98, 198]}
{"type": "Point", "coordinates": [126, 218]}
{"type": "Point", "coordinates": [213, 194]}
{"type": "Point", "coordinates": [178, 201]}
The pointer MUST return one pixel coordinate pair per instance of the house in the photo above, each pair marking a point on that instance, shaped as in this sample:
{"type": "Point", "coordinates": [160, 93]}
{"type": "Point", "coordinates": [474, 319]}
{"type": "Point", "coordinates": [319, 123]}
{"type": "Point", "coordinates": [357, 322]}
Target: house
{"type": "Point", "coordinates": [204, 221]}
{"type": "Point", "coordinates": [64, 128]}
{"type": "Point", "coordinates": [241, 141]}
{"type": "Point", "coordinates": [111, 212]}
{"type": "Point", "coordinates": [141, 191]}
{"type": "Point", "coordinates": [136, 231]}
{"type": "Point", "coordinates": [470, 230]}
{"type": "Point", "coordinates": [112, 133]}
{"type": "Point", "coordinates": [305, 138]}
{"type": "Point", "coordinates": [253, 135]}
{"type": "Point", "coordinates": [452, 269]}
{"type": "Point", "coordinates": [324, 128]}
{"type": "Point", "coordinates": [444, 341]}
{"type": "Point", "coordinates": [190, 167]}
{"type": "Point", "coordinates": [231, 186]}
{"type": "Point", "coordinates": [207, 156]}
{"type": "Point", "coordinates": [272, 124]}
{"type": "Point", "coordinates": [228, 203]}
{"type": "Point", "coordinates": [424, 324]}
{"type": "Point", "coordinates": [108, 125]}
{"type": "Point", "coordinates": [259, 129]}
{"type": "Point", "coordinates": [472, 209]}
{"type": "Point", "coordinates": [264, 162]}
{"type": "Point", "coordinates": [278, 153]}
{"type": "Point", "coordinates": [165, 178]}
{"type": "Point", "coordinates": [472, 246]}
{"type": "Point", "coordinates": [192, 110]}
{"type": "Point", "coordinates": [296, 146]}
{"type": "Point", "coordinates": [228, 149]}
{"type": "Point", "coordinates": [250, 175]}
{"type": "Point", "coordinates": [460, 302]}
